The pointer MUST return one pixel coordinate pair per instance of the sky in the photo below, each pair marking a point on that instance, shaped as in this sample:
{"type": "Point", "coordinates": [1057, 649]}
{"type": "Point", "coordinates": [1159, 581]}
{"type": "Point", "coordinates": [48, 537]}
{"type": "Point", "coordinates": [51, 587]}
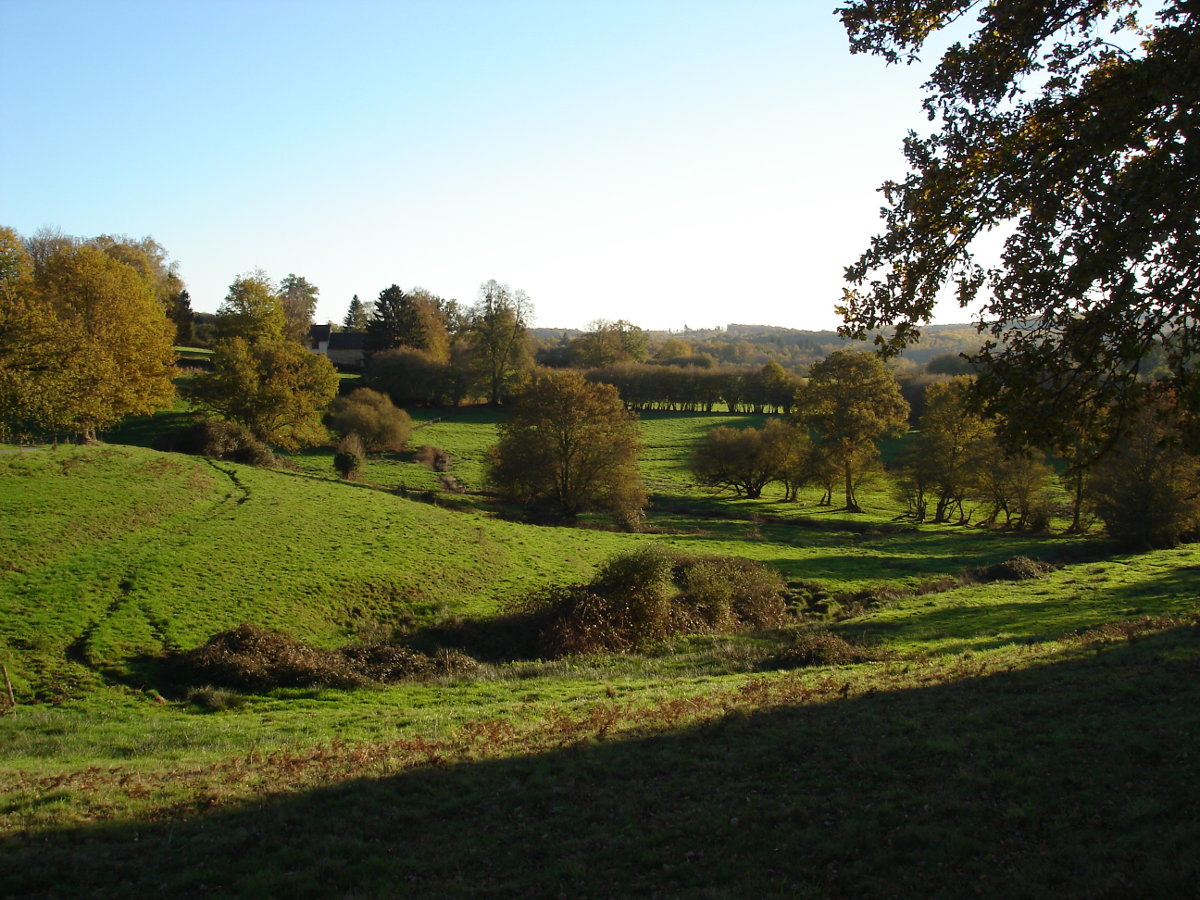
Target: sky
{"type": "Point", "coordinates": [675, 163]}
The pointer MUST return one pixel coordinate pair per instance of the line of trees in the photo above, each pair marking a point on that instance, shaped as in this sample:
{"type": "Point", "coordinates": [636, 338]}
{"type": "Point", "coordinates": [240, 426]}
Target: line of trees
{"type": "Point", "coordinates": [849, 403]}
{"type": "Point", "coordinates": [1139, 478]}
{"type": "Point", "coordinates": [424, 350]}
{"type": "Point", "coordinates": [770, 389]}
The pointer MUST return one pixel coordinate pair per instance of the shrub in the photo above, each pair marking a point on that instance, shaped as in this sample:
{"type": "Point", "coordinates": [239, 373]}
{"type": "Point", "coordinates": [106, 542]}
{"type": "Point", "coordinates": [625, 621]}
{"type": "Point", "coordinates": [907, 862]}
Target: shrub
{"type": "Point", "coordinates": [433, 458]}
{"type": "Point", "coordinates": [256, 659]}
{"type": "Point", "coordinates": [582, 621]}
{"type": "Point", "coordinates": [387, 662]}
{"type": "Point", "coordinates": [372, 416]}
{"type": "Point", "coordinates": [350, 456]}
{"type": "Point", "coordinates": [724, 592]}
{"type": "Point", "coordinates": [1019, 568]}
{"type": "Point", "coordinates": [641, 597]}
{"type": "Point", "coordinates": [818, 647]}
{"type": "Point", "coordinates": [249, 658]}
{"type": "Point", "coordinates": [217, 439]}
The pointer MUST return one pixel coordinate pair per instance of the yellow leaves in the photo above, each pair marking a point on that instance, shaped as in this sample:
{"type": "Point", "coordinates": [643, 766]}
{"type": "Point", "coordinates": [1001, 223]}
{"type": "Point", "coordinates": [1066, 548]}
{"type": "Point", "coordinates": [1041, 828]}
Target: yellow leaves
{"type": "Point", "coordinates": [272, 385]}
{"type": "Point", "coordinates": [84, 342]}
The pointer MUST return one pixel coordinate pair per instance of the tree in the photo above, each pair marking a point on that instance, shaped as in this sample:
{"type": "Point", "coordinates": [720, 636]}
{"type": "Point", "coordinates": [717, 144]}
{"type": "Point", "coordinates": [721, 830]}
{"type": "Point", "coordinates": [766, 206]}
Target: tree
{"type": "Point", "coordinates": [45, 242]}
{"type": "Point", "coordinates": [1146, 489]}
{"type": "Point", "coordinates": [1084, 152]}
{"type": "Point", "coordinates": [849, 403]}
{"type": "Point", "coordinates": [31, 384]}
{"type": "Point", "coordinates": [737, 458]}
{"type": "Point", "coordinates": [411, 320]}
{"type": "Point", "coordinates": [953, 445]}
{"type": "Point", "coordinates": [748, 459]}
{"type": "Point", "coordinates": [356, 316]}
{"type": "Point", "coordinates": [150, 259]}
{"type": "Point", "coordinates": [252, 310]}
{"type": "Point", "coordinates": [1015, 483]}
{"type": "Point", "coordinates": [414, 378]}
{"type": "Point", "coordinates": [671, 349]}
{"type": "Point", "coordinates": [385, 326]}
{"type": "Point", "coordinates": [778, 387]}
{"type": "Point", "coordinates": [498, 331]}
{"type": "Point", "coordinates": [260, 377]}
{"type": "Point", "coordinates": [605, 343]}
{"type": "Point", "coordinates": [179, 311]}
{"type": "Point", "coordinates": [83, 340]}
{"type": "Point", "coordinates": [955, 458]}
{"type": "Point", "coordinates": [372, 416]}
{"type": "Point", "coordinates": [299, 298]}
{"type": "Point", "coordinates": [430, 328]}
{"type": "Point", "coordinates": [570, 446]}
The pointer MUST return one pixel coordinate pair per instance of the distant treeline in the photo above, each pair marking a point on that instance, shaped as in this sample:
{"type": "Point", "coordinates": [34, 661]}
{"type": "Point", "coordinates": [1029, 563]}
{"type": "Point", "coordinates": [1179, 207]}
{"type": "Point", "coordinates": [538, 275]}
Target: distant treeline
{"type": "Point", "coordinates": [756, 345]}
{"type": "Point", "coordinates": [769, 389]}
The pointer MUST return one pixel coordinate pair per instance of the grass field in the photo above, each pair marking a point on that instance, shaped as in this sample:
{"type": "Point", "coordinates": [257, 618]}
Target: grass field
{"type": "Point", "coordinates": [1032, 738]}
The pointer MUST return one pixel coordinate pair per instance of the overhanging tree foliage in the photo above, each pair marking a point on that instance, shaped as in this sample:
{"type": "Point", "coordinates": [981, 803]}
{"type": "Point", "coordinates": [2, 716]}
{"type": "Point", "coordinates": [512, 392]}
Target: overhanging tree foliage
{"type": "Point", "coordinates": [1075, 126]}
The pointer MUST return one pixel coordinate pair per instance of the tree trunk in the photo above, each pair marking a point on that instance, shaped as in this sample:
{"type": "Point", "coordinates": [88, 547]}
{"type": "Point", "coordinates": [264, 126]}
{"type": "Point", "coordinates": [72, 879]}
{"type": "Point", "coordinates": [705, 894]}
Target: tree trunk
{"type": "Point", "coordinates": [851, 500]}
{"type": "Point", "coordinates": [1076, 502]}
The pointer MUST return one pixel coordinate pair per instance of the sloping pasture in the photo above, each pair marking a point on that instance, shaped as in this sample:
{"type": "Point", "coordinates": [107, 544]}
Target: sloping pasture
{"type": "Point", "coordinates": [1025, 738]}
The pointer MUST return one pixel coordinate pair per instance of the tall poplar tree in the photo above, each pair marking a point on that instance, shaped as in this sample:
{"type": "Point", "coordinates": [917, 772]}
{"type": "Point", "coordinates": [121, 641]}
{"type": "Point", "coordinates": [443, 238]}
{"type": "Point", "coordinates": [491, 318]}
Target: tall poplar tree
{"type": "Point", "coordinates": [498, 332]}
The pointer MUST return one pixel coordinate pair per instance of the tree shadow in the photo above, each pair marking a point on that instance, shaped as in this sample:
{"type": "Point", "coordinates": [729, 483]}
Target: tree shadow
{"type": "Point", "coordinates": [1041, 614]}
{"type": "Point", "coordinates": [1077, 779]}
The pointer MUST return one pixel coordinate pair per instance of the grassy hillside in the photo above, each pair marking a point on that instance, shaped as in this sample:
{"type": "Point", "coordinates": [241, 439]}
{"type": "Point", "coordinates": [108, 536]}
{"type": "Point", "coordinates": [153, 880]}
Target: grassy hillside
{"type": "Point", "coordinates": [1013, 738]}
{"type": "Point", "coordinates": [117, 552]}
{"type": "Point", "coordinates": [122, 552]}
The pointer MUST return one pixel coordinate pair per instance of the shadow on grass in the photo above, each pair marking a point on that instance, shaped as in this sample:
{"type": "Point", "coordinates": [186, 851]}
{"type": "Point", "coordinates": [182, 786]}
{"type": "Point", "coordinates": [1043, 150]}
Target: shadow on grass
{"type": "Point", "coordinates": [1043, 611]}
{"type": "Point", "coordinates": [142, 431]}
{"type": "Point", "coordinates": [1078, 779]}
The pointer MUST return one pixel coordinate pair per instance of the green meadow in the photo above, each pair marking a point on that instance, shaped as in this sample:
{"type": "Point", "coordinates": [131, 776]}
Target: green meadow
{"type": "Point", "coordinates": [1008, 738]}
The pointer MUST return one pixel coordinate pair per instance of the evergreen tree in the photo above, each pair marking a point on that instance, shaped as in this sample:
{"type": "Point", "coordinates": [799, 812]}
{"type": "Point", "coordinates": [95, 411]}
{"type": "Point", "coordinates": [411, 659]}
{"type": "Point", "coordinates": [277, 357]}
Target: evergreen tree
{"type": "Point", "coordinates": [356, 316]}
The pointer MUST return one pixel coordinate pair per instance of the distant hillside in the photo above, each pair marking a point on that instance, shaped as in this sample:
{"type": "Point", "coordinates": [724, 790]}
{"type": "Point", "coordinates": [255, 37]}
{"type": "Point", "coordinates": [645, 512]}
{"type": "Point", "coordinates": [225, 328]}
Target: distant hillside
{"type": "Point", "coordinates": [739, 344]}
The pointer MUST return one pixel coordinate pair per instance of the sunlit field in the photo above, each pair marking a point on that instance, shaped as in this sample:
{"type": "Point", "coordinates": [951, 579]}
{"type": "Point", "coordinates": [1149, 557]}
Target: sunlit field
{"type": "Point", "coordinates": [1003, 737]}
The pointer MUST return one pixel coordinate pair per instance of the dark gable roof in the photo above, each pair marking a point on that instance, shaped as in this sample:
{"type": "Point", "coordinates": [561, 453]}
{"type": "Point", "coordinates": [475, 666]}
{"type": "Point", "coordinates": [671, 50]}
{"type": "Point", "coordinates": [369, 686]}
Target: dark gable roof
{"type": "Point", "coordinates": [319, 332]}
{"type": "Point", "coordinates": [348, 340]}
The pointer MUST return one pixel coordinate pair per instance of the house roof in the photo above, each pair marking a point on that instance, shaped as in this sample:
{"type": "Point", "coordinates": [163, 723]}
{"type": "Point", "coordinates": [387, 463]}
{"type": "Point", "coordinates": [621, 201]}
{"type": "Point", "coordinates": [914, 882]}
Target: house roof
{"type": "Point", "coordinates": [347, 340]}
{"type": "Point", "coordinates": [320, 332]}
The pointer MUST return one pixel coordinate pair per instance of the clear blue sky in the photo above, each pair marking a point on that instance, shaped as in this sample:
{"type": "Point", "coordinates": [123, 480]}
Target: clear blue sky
{"type": "Point", "coordinates": [671, 163]}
